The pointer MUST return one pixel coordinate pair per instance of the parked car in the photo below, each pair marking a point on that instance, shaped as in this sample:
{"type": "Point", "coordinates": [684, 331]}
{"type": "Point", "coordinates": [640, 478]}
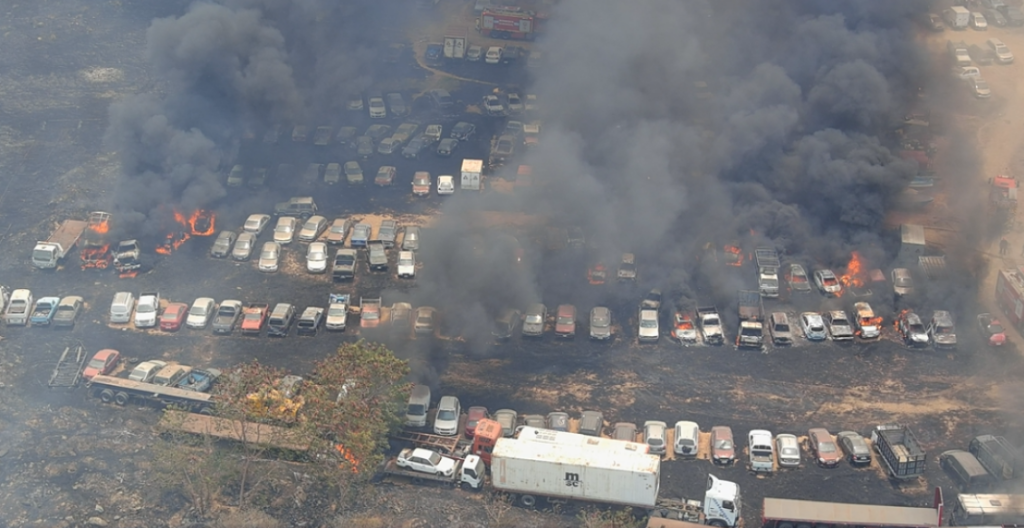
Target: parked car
{"type": "Point", "coordinates": [978, 21]}
{"type": "Point", "coordinates": [823, 448]}
{"type": "Point", "coordinates": [683, 328]}
{"type": "Point", "coordinates": [426, 461]}
{"type": "Point", "coordinates": [911, 329]}
{"type": "Point", "coordinates": [1001, 50]}
{"type": "Point", "coordinates": [474, 53]}
{"type": "Point", "coordinates": [173, 317]}
{"type": "Point", "coordinates": [411, 239]}
{"type": "Point", "coordinates": [473, 416]}
{"type": "Point", "coordinates": [243, 246]}
{"type": "Point", "coordinates": [145, 371]}
{"type": "Point", "coordinates": [778, 327]}
{"type": "Point", "coordinates": [463, 131]}
{"type": "Point", "coordinates": [67, 311]}
{"type": "Point", "coordinates": [813, 326]}
{"type": "Point", "coordinates": [413, 149]}
{"type": "Point", "coordinates": [839, 325]}
{"type": "Point", "coordinates": [256, 223]}
{"type": "Point", "coordinates": [515, 103]}
{"type": "Point", "coordinates": [312, 229]}
{"type": "Point", "coordinates": [299, 206]}
{"type": "Point", "coordinates": [507, 418]}
{"type": "Point", "coordinates": [385, 175]}
{"type": "Point", "coordinates": [270, 256]}
{"type": "Point", "coordinates": [447, 146]}
{"type": "Point", "coordinates": [102, 363]}
{"type": "Point", "coordinates": [796, 277]}
{"type": "Point", "coordinates": [227, 316]}
{"type": "Point", "coordinates": [364, 146]}
{"type": "Point", "coordinates": [493, 55]}
{"type": "Point", "coordinates": [655, 436]}
{"type": "Point", "coordinates": [991, 329]}
{"type": "Point", "coordinates": [624, 431]}
{"type": "Point", "coordinates": [425, 323]}
{"type": "Point", "coordinates": [445, 185]}
{"type": "Point", "coordinates": [353, 172]}
{"type": "Point", "coordinates": [828, 283]}
{"type": "Point", "coordinates": [421, 183]}
{"type": "Point", "coordinates": [406, 264]}
{"type": "Point", "coordinates": [200, 312]}
{"type": "Point", "coordinates": [533, 323]}
{"type": "Point", "coordinates": [978, 87]}
{"type": "Point", "coordinates": [46, 307]}
{"type": "Point", "coordinates": [316, 257]}
{"type": "Point", "coordinates": [600, 323]}
{"type": "Point", "coordinates": [387, 232]}
{"type": "Point", "coordinates": [591, 423]}
{"type": "Point", "coordinates": [941, 330]}
{"type": "Point", "coordinates": [284, 231]}
{"type": "Point", "coordinates": [449, 410]}
{"type": "Point", "coordinates": [565, 321]}
{"type": "Point", "coordinates": [337, 231]}
{"type": "Point", "coordinates": [687, 439]}
{"type": "Point", "coordinates": [332, 174]}
{"type": "Point", "coordinates": [994, 18]}
{"type": "Point", "coordinates": [376, 107]}
{"type": "Point", "coordinates": [493, 106]}
{"type": "Point", "coordinates": [396, 104]}
{"type": "Point", "coordinates": [723, 448]}
{"type": "Point", "coordinates": [558, 421]}
{"type": "Point", "coordinates": [855, 447]}
{"type": "Point", "coordinates": [869, 326]}
{"type": "Point", "coordinates": [647, 323]}
{"type": "Point", "coordinates": [788, 449]}
{"type": "Point", "coordinates": [222, 245]}
{"type": "Point", "coordinates": [360, 235]}
{"type": "Point", "coordinates": [505, 324]}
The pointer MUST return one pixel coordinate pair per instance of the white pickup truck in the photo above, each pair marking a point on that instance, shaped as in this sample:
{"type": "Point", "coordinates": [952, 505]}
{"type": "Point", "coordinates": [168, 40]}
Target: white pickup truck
{"type": "Point", "coordinates": [762, 452]}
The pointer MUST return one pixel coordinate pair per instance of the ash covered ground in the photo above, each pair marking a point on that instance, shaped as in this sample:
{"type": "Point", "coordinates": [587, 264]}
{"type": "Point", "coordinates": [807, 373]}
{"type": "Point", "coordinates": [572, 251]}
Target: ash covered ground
{"type": "Point", "coordinates": [65, 453]}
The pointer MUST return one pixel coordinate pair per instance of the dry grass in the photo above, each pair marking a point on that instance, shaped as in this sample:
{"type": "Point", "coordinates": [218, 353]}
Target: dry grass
{"type": "Point", "coordinates": [247, 519]}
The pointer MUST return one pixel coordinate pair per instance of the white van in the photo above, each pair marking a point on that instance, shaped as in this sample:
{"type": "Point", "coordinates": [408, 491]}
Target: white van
{"type": "Point", "coordinates": [687, 439]}
{"type": "Point", "coordinates": [19, 308]}
{"type": "Point", "coordinates": [419, 404]}
{"type": "Point", "coordinates": [958, 17]}
{"type": "Point", "coordinates": [121, 308]}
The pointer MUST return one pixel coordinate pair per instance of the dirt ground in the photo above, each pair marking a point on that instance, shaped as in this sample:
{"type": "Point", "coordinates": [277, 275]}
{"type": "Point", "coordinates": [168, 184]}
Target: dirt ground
{"type": "Point", "coordinates": [67, 458]}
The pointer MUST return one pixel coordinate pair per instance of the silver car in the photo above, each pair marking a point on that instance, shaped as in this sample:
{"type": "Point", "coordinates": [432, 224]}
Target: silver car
{"type": "Point", "coordinates": [813, 326]}
{"type": "Point", "coordinates": [222, 246]}
{"type": "Point", "coordinates": [839, 326]}
{"type": "Point", "coordinates": [312, 228]}
{"type": "Point", "coordinates": [284, 231]}
{"type": "Point", "coordinates": [788, 448]}
{"type": "Point", "coordinates": [507, 418]}
{"type": "Point", "coordinates": [244, 246]}
{"type": "Point", "coordinates": [902, 283]}
{"type": "Point", "coordinates": [654, 436]}
{"type": "Point", "coordinates": [256, 223]}
{"type": "Point", "coordinates": [316, 257]}
{"type": "Point", "coordinates": [533, 323]}
{"type": "Point", "coordinates": [387, 232]}
{"type": "Point", "coordinates": [269, 257]}
{"type": "Point", "coordinates": [411, 240]}
{"type": "Point", "coordinates": [600, 323]}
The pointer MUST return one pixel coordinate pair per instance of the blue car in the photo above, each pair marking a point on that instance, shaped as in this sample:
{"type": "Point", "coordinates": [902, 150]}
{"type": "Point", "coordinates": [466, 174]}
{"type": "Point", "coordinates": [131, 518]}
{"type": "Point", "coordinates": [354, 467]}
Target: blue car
{"type": "Point", "coordinates": [360, 235]}
{"type": "Point", "coordinates": [434, 52]}
{"type": "Point", "coordinates": [43, 312]}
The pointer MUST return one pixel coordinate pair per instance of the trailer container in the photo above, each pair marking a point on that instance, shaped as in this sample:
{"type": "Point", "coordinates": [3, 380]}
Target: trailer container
{"type": "Point", "coordinates": [900, 450]}
{"type": "Point", "coordinates": [987, 510]}
{"type": "Point", "coordinates": [789, 513]}
{"type": "Point", "coordinates": [999, 457]}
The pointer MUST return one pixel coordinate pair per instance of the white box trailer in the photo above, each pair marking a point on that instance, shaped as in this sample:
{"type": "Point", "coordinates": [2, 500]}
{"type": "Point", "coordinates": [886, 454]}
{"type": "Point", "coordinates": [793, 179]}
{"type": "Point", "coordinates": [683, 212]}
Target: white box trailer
{"type": "Point", "coordinates": [472, 170]}
{"type": "Point", "coordinates": [455, 42]}
{"type": "Point", "coordinates": [542, 465]}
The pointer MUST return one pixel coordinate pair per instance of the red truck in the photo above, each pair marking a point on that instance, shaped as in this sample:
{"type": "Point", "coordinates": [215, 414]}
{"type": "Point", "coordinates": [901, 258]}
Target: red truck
{"type": "Point", "coordinates": [1010, 295]}
{"type": "Point", "coordinates": [254, 317]}
{"type": "Point", "coordinates": [509, 23]}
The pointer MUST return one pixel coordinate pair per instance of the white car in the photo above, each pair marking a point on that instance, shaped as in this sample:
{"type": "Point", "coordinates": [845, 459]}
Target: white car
{"type": "Point", "coordinates": [269, 257]}
{"type": "Point", "coordinates": [447, 421]}
{"type": "Point", "coordinates": [445, 185]}
{"type": "Point", "coordinates": [828, 283]}
{"type": "Point", "coordinates": [493, 106]}
{"type": "Point", "coordinates": [406, 264]}
{"type": "Point", "coordinates": [316, 257]}
{"type": "Point", "coordinates": [284, 231]}
{"type": "Point", "coordinates": [256, 223]}
{"type": "Point", "coordinates": [426, 461]}
{"type": "Point", "coordinates": [493, 55]}
{"type": "Point", "coordinates": [200, 313]}
{"type": "Point", "coordinates": [146, 310]}
{"type": "Point", "coordinates": [813, 326]}
{"type": "Point", "coordinates": [1003, 53]}
{"type": "Point", "coordinates": [144, 372]}
{"type": "Point", "coordinates": [337, 316]}
{"type": "Point", "coordinates": [648, 331]}
{"type": "Point", "coordinates": [788, 448]}
{"type": "Point", "coordinates": [474, 53]}
{"type": "Point", "coordinates": [963, 72]}
{"type": "Point", "coordinates": [978, 21]}
{"type": "Point", "coordinates": [376, 107]}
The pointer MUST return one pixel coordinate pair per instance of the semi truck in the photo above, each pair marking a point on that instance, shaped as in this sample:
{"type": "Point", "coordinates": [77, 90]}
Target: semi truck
{"type": "Point", "coordinates": [48, 253]}
{"type": "Point", "coordinates": [768, 265]}
{"type": "Point", "coordinates": [121, 391]}
{"type": "Point", "coordinates": [710, 325]}
{"type": "Point", "coordinates": [900, 450]}
{"type": "Point", "coordinates": [999, 457]}
{"type": "Point", "coordinates": [751, 312]}
{"type": "Point", "coordinates": [468, 472]}
{"type": "Point", "coordinates": [789, 513]}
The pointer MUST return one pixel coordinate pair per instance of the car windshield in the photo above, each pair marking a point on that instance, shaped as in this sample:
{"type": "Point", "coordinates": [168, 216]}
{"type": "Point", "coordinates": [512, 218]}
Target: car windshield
{"type": "Point", "coordinates": [995, 328]}
{"type": "Point", "coordinates": [198, 310]}
{"type": "Point", "coordinates": [565, 320]}
{"type": "Point", "coordinates": [317, 255]}
{"type": "Point", "coordinates": [284, 228]}
{"type": "Point", "coordinates": [830, 281]}
{"type": "Point", "coordinates": [446, 414]}
{"type": "Point", "coordinates": [839, 322]}
{"type": "Point", "coordinates": [423, 320]}
{"type": "Point", "coordinates": [600, 320]}
{"type": "Point", "coordinates": [252, 316]}
{"type": "Point", "coordinates": [655, 441]}
{"type": "Point", "coordinates": [268, 254]}
{"type": "Point", "coordinates": [827, 447]}
{"type": "Point", "coordinates": [533, 318]}
{"type": "Point", "coordinates": [97, 363]}
{"type": "Point", "coordinates": [980, 84]}
{"type": "Point", "coordinates": [790, 451]}
{"type": "Point", "coordinates": [336, 311]}
{"type": "Point", "coordinates": [648, 323]}
{"type": "Point", "coordinates": [337, 229]}
{"type": "Point", "coordinates": [723, 444]}
{"type": "Point", "coordinates": [782, 328]}
{"type": "Point", "coordinates": [916, 328]}
{"type": "Point", "coordinates": [405, 262]}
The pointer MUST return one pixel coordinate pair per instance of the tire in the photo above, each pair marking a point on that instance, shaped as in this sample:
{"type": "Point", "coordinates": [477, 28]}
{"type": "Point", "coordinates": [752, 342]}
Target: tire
{"type": "Point", "coordinates": [718, 523]}
{"type": "Point", "coordinates": [121, 398]}
{"type": "Point", "coordinates": [528, 500]}
{"type": "Point", "coordinates": [106, 396]}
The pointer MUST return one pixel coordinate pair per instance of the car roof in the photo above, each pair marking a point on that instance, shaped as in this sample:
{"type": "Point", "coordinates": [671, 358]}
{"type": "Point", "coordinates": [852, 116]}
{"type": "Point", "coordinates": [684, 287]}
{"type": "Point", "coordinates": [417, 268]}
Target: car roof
{"type": "Point", "coordinates": [448, 401]}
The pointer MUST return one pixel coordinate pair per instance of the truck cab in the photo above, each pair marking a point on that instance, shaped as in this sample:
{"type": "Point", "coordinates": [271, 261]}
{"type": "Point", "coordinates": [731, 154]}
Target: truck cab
{"type": "Point", "coordinates": [722, 502]}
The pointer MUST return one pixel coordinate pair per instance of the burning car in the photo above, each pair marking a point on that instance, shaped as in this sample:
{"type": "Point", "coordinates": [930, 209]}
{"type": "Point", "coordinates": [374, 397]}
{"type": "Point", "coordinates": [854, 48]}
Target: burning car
{"type": "Point", "coordinates": [597, 274]}
{"type": "Point", "coordinates": [991, 329]}
{"type": "Point", "coordinates": [828, 283]}
{"type": "Point", "coordinates": [869, 326]}
{"type": "Point", "coordinates": [683, 329]}
{"type": "Point", "coordinates": [796, 276]}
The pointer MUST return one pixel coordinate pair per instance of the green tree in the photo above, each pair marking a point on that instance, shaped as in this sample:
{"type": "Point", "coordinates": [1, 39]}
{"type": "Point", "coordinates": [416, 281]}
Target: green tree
{"type": "Point", "coordinates": [355, 400]}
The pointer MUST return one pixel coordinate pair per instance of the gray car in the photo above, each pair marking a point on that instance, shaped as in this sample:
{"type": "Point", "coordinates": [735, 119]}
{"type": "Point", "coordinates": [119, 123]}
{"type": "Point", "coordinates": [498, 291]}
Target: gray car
{"type": "Point", "coordinates": [396, 104]}
{"type": "Point", "coordinates": [364, 146]}
{"type": "Point", "coordinates": [270, 256]}
{"type": "Point", "coordinates": [855, 447]}
{"type": "Point", "coordinates": [413, 149]}
{"type": "Point", "coordinates": [600, 323]}
{"type": "Point", "coordinates": [624, 431]}
{"type": "Point", "coordinates": [533, 323]}
{"type": "Point", "coordinates": [447, 146]}
{"type": "Point", "coordinates": [360, 235]}
{"type": "Point", "coordinates": [387, 232]}
{"type": "Point", "coordinates": [507, 418]}
{"type": "Point", "coordinates": [222, 246]}
{"type": "Point", "coordinates": [506, 323]}
{"type": "Point", "coordinates": [411, 240]}
{"type": "Point", "coordinates": [67, 311]}
{"type": "Point", "coordinates": [591, 423]}
{"type": "Point", "coordinates": [244, 246]}
{"type": "Point", "coordinates": [463, 131]}
{"type": "Point", "coordinates": [558, 421]}
{"type": "Point", "coordinates": [839, 325]}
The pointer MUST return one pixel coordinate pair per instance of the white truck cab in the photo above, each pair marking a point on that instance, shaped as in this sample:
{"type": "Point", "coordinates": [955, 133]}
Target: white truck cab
{"type": "Point", "coordinates": [722, 503]}
{"type": "Point", "coordinates": [472, 472]}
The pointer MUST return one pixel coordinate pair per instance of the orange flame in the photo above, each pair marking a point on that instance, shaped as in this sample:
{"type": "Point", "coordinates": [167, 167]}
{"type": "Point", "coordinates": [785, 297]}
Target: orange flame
{"type": "Point", "coordinates": [95, 253]}
{"type": "Point", "coordinates": [734, 256]}
{"type": "Point", "coordinates": [596, 275]}
{"type": "Point", "coordinates": [896, 320]}
{"type": "Point", "coordinates": [853, 278]}
{"type": "Point", "coordinates": [199, 223]}
{"type": "Point", "coordinates": [872, 321]}
{"type": "Point", "coordinates": [353, 462]}
{"type": "Point", "coordinates": [128, 274]}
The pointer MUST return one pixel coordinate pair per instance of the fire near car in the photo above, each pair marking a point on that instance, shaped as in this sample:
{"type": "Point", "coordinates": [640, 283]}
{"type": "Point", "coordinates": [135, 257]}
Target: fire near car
{"type": "Point", "coordinates": [828, 283]}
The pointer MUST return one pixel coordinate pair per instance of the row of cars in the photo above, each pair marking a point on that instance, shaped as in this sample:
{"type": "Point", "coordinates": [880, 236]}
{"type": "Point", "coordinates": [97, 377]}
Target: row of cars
{"type": "Point", "coordinates": [764, 448]}
{"type": "Point", "coordinates": [961, 54]}
{"type": "Point", "coordinates": [21, 308]}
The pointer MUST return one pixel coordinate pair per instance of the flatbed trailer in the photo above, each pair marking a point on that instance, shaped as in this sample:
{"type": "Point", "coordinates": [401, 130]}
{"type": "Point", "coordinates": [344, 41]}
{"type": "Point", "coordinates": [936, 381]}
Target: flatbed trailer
{"type": "Point", "coordinates": [234, 430]}
{"type": "Point", "coordinates": [121, 391]}
{"type": "Point", "coordinates": [790, 513]}
{"type": "Point", "coordinates": [442, 444]}
{"type": "Point", "coordinates": [69, 367]}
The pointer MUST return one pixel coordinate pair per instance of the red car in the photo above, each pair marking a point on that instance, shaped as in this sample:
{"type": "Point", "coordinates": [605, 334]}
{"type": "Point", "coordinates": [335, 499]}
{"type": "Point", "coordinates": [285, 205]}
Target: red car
{"type": "Point", "coordinates": [825, 450]}
{"type": "Point", "coordinates": [991, 329]}
{"type": "Point", "coordinates": [565, 321]}
{"type": "Point", "coordinates": [473, 416]}
{"type": "Point", "coordinates": [102, 363]}
{"type": "Point", "coordinates": [173, 317]}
